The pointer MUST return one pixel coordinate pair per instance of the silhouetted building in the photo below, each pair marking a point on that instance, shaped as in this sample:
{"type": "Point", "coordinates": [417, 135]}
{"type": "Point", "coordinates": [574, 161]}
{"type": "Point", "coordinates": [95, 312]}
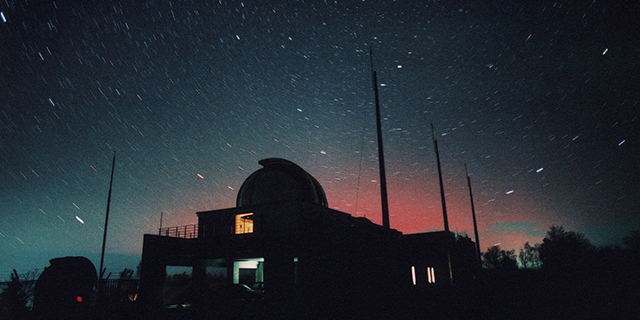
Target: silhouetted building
{"type": "Point", "coordinates": [295, 253]}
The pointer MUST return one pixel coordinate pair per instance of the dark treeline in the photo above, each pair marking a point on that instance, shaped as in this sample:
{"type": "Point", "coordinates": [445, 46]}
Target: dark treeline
{"type": "Point", "coordinates": [564, 277]}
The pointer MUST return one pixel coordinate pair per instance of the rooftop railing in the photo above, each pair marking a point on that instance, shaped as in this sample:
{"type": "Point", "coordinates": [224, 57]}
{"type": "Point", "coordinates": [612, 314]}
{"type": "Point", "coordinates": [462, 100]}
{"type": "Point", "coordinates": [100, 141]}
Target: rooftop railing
{"type": "Point", "coordinates": [187, 232]}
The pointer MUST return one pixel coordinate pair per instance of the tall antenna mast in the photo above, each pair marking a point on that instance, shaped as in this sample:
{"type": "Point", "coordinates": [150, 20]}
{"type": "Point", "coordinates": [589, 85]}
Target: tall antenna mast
{"type": "Point", "coordinates": [383, 178]}
{"type": "Point", "coordinates": [473, 212]}
{"type": "Point", "coordinates": [106, 220]}
{"type": "Point", "coordinates": [442, 197]}
{"type": "Point", "coordinates": [444, 203]}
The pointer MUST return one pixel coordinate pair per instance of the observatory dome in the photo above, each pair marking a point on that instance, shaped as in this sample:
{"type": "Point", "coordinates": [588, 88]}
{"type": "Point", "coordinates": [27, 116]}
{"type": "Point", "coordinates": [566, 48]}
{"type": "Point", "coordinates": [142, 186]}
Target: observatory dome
{"type": "Point", "coordinates": [280, 181]}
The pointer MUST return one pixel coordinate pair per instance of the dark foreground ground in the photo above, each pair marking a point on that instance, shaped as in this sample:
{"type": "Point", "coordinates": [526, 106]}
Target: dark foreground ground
{"type": "Point", "coordinates": [508, 302]}
{"type": "Point", "coordinates": [527, 296]}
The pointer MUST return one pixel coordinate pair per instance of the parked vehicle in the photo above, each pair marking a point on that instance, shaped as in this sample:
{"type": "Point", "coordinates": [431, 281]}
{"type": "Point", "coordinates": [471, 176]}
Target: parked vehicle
{"type": "Point", "coordinates": [65, 289]}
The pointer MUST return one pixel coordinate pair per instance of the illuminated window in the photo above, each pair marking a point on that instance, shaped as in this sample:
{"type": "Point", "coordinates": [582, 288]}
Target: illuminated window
{"type": "Point", "coordinates": [244, 223]}
{"type": "Point", "coordinates": [431, 275]}
{"type": "Point", "coordinates": [413, 275]}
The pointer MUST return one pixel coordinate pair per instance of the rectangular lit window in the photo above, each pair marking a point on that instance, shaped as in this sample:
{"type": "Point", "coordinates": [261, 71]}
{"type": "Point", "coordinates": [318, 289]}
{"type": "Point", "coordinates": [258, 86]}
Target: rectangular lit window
{"type": "Point", "coordinates": [413, 275]}
{"type": "Point", "coordinates": [431, 275]}
{"type": "Point", "coordinates": [244, 223]}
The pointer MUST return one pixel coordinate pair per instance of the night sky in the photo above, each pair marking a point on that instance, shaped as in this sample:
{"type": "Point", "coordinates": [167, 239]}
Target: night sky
{"type": "Point", "coordinates": [540, 99]}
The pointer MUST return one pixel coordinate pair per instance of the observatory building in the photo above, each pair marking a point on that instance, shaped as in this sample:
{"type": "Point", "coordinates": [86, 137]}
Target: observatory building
{"type": "Point", "coordinates": [283, 250]}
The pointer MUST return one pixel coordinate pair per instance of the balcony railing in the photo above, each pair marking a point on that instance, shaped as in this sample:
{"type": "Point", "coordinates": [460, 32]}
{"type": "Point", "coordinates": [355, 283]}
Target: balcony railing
{"type": "Point", "coordinates": [187, 232]}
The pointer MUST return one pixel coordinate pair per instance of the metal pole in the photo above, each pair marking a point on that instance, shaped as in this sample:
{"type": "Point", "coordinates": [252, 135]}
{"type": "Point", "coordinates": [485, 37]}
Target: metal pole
{"type": "Point", "coordinates": [383, 178]}
{"type": "Point", "coordinates": [473, 212]}
{"type": "Point", "coordinates": [444, 205]}
{"type": "Point", "coordinates": [106, 220]}
{"type": "Point", "coordinates": [442, 197]}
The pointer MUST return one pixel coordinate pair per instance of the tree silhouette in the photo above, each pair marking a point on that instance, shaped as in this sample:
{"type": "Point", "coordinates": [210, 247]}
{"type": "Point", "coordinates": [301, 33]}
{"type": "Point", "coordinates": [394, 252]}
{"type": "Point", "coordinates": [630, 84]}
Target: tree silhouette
{"type": "Point", "coordinates": [138, 270]}
{"type": "Point", "coordinates": [13, 299]}
{"type": "Point", "coordinates": [632, 248]}
{"type": "Point", "coordinates": [529, 256]}
{"type": "Point", "coordinates": [496, 258]}
{"type": "Point", "coordinates": [564, 251]}
{"type": "Point", "coordinates": [632, 243]}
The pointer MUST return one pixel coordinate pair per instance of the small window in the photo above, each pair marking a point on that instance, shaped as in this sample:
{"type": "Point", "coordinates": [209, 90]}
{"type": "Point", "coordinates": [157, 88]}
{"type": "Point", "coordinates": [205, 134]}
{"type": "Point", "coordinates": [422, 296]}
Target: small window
{"type": "Point", "coordinates": [431, 275]}
{"type": "Point", "coordinates": [244, 223]}
{"type": "Point", "coordinates": [413, 275]}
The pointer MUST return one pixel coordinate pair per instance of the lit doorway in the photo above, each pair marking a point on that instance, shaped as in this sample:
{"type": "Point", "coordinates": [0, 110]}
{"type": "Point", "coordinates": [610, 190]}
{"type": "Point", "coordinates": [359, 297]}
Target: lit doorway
{"type": "Point", "coordinates": [249, 272]}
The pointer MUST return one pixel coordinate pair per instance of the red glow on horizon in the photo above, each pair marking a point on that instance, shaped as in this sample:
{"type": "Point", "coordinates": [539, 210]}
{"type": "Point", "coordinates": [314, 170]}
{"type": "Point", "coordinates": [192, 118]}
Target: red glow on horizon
{"type": "Point", "coordinates": [417, 208]}
{"type": "Point", "coordinates": [512, 218]}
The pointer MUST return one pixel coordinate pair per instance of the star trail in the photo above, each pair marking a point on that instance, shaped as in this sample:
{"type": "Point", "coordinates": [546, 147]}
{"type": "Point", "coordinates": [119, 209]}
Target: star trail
{"type": "Point", "coordinates": [541, 100]}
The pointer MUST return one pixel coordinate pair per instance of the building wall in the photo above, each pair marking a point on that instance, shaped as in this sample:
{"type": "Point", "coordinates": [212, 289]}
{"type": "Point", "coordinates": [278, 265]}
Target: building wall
{"type": "Point", "coordinates": [314, 258]}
